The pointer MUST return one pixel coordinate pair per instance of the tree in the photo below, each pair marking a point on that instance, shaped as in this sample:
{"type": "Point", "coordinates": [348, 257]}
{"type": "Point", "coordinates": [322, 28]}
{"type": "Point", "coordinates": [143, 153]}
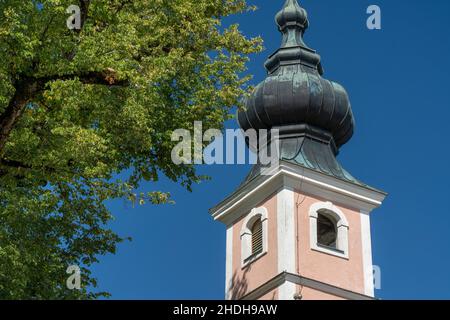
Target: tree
{"type": "Point", "coordinates": [79, 106]}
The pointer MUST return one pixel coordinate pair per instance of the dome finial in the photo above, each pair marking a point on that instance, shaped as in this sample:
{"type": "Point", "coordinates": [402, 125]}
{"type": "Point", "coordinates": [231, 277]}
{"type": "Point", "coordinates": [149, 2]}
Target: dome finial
{"type": "Point", "coordinates": [292, 21]}
{"type": "Point", "coordinates": [292, 15]}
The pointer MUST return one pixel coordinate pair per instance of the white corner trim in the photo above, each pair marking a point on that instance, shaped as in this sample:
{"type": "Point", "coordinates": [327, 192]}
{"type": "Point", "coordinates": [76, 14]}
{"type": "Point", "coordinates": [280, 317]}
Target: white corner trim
{"type": "Point", "coordinates": [229, 263]}
{"type": "Point", "coordinates": [286, 240]}
{"type": "Point", "coordinates": [286, 291]}
{"type": "Point", "coordinates": [367, 254]}
{"type": "Point", "coordinates": [246, 235]}
{"type": "Point", "coordinates": [286, 230]}
{"type": "Point", "coordinates": [342, 229]}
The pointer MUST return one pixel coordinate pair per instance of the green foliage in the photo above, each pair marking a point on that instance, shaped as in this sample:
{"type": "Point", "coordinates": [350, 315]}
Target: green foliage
{"type": "Point", "coordinates": [78, 107]}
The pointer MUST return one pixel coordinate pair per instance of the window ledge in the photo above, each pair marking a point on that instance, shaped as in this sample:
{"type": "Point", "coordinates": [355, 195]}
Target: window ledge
{"type": "Point", "coordinates": [331, 251]}
{"type": "Point", "coordinates": [253, 258]}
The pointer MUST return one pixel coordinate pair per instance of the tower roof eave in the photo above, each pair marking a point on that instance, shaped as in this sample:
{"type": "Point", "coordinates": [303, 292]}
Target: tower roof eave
{"type": "Point", "coordinates": [362, 196]}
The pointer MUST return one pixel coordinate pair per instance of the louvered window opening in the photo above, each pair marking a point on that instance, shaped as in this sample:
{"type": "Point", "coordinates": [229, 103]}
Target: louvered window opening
{"type": "Point", "coordinates": [257, 238]}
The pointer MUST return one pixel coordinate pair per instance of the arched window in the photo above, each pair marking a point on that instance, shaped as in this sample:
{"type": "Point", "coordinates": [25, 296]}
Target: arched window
{"type": "Point", "coordinates": [254, 238]}
{"type": "Point", "coordinates": [328, 229]}
{"type": "Point", "coordinates": [257, 237]}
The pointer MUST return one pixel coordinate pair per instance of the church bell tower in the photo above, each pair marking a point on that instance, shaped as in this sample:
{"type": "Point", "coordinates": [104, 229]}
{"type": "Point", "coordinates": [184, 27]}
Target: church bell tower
{"type": "Point", "coordinates": [303, 231]}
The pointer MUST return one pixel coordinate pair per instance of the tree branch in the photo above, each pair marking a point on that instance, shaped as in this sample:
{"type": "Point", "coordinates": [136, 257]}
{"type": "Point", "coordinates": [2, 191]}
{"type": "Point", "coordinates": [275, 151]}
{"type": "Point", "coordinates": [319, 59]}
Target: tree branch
{"type": "Point", "coordinates": [106, 78]}
{"type": "Point", "coordinates": [84, 8]}
{"type": "Point", "coordinates": [14, 164]}
{"type": "Point", "coordinates": [25, 90]}
{"type": "Point", "coordinates": [29, 87]}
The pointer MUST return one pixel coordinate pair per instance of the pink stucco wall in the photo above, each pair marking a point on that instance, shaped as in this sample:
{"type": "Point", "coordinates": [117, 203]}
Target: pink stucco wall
{"type": "Point", "coordinates": [333, 270]}
{"type": "Point", "coordinates": [272, 295]}
{"type": "Point", "coordinates": [313, 294]}
{"type": "Point", "coordinates": [265, 268]}
{"type": "Point", "coordinates": [344, 273]}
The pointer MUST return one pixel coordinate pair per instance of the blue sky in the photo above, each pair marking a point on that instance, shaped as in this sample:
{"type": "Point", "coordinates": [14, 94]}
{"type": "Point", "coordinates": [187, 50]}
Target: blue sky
{"type": "Point", "coordinates": [398, 82]}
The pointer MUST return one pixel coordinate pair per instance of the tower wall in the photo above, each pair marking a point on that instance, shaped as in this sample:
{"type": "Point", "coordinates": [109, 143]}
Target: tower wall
{"type": "Point", "coordinates": [290, 249]}
{"type": "Point", "coordinates": [341, 272]}
{"type": "Point", "coordinates": [245, 279]}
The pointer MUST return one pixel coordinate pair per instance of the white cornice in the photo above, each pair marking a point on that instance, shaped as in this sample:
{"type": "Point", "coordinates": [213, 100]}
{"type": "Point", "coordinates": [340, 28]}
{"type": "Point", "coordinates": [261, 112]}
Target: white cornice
{"type": "Point", "coordinates": [286, 277]}
{"type": "Point", "coordinates": [302, 179]}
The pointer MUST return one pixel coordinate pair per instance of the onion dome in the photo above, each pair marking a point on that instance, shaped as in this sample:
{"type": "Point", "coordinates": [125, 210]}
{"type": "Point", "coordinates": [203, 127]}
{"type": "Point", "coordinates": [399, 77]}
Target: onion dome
{"type": "Point", "coordinates": [312, 114]}
{"type": "Point", "coordinates": [294, 94]}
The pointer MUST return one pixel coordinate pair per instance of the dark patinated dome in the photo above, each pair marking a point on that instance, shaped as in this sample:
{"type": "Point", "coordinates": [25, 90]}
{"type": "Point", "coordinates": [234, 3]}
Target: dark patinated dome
{"type": "Point", "coordinates": [294, 93]}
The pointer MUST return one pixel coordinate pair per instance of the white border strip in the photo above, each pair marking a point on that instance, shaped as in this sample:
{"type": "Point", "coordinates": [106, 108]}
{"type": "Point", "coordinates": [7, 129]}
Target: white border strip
{"type": "Point", "coordinates": [229, 264]}
{"type": "Point", "coordinates": [366, 244]}
{"type": "Point", "coordinates": [286, 240]}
